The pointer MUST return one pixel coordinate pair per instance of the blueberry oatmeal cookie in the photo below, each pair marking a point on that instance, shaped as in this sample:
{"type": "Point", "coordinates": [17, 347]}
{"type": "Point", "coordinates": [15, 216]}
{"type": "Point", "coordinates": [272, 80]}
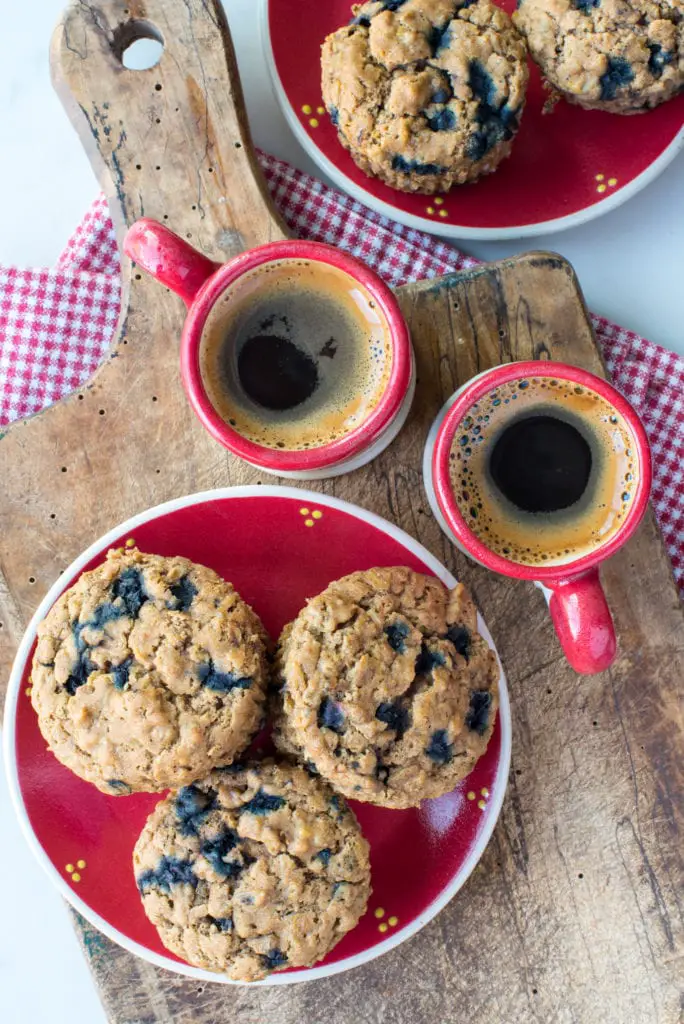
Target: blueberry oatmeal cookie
{"type": "Point", "coordinates": [624, 56]}
{"type": "Point", "coordinates": [253, 870]}
{"type": "Point", "coordinates": [426, 94]}
{"type": "Point", "coordinates": [387, 689]}
{"type": "Point", "coordinates": [148, 673]}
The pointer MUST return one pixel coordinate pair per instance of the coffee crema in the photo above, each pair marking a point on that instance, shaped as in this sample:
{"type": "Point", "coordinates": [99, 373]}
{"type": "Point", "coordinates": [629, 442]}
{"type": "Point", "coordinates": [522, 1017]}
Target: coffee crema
{"type": "Point", "coordinates": [295, 354]}
{"type": "Point", "coordinates": [543, 470]}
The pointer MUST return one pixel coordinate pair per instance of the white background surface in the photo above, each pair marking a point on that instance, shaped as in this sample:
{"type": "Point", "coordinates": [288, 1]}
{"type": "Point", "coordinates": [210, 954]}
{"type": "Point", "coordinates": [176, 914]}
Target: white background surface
{"type": "Point", "coordinates": [630, 264]}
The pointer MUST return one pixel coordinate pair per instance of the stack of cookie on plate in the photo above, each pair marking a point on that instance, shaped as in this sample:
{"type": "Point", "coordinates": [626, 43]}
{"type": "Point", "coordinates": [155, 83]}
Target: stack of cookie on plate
{"type": "Point", "coordinates": [151, 673]}
{"type": "Point", "coordinates": [426, 94]}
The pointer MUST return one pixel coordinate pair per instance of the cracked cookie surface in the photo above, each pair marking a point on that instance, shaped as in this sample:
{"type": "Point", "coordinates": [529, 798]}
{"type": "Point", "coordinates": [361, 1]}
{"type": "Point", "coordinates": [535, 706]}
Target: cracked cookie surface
{"type": "Point", "coordinates": [426, 94]}
{"type": "Point", "coordinates": [387, 689]}
{"type": "Point", "coordinates": [254, 869]}
{"type": "Point", "coordinates": [612, 55]}
{"type": "Point", "coordinates": [148, 672]}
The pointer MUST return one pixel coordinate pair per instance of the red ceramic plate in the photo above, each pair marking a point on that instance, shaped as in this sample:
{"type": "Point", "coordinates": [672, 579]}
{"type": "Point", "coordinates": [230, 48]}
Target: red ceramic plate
{"type": "Point", "coordinates": [278, 545]}
{"type": "Point", "coordinates": [566, 167]}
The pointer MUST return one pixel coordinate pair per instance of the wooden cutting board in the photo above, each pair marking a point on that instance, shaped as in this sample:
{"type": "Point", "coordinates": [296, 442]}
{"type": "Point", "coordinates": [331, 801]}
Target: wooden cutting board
{"type": "Point", "coordinates": [573, 914]}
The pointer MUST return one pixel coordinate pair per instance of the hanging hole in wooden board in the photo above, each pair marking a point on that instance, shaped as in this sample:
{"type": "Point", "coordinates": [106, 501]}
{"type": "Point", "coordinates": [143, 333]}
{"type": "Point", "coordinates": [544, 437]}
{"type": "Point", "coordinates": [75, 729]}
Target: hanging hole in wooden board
{"type": "Point", "coordinates": [138, 44]}
{"type": "Point", "coordinates": [158, 120]}
{"type": "Point", "coordinates": [80, 398]}
{"type": "Point", "coordinates": [53, 515]}
{"type": "Point", "coordinates": [238, 145]}
{"type": "Point", "coordinates": [138, 277]}
{"type": "Point", "coordinates": [64, 469]}
{"type": "Point", "coordinates": [154, 398]}
{"type": "Point", "coordinates": [102, 412]}
{"type": "Point", "coordinates": [32, 579]}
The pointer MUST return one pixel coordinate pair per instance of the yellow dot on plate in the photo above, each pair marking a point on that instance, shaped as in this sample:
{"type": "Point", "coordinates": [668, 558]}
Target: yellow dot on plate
{"type": "Point", "coordinates": [382, 927]}
{"type": "Point", "coordinates": [471, 795]}
{"type": "Point", "coordinates": [600, 188]}
{"type": "Point", "coordinates": [316, 514]}
{"type": "Point", "coordinates": [69, 868]}
{"type": "Point", "coordinates": [600, 177]}
{"type": "Point", "coordinates": [28, 691]}
{"type": "Point", "coordinates": [306, 109]}
{"type": "Point", "coordinates": [439, 201]}
{"type": "Point", "coordinates": [484, 791]}
{"type": "Point", "coordinates": [612, 182]}
{"type": "Point", "coordinates": [392, 921]}
{"type": "Point", "coordinates": [130, 543]}
{"type": "Point", "coordinates": [380, 912]}
{"type": "Point", "coordinates": [430, 209]}
{"type": "Point", "coordinates": [75, 877]}
{"type": "Point", "coordinates": [308, 522]}
{"type": "Point", "coordinates": [303, 511]}
{"type": "Point", "coordinates": [481, 804]}
{"type": "Point", "coordinates": [313, 121]}
{"type": "Point", "coordinates": [320, 110]}
{"type": "Point", "coordinates": [80, 864]}
{"type": "Point", "coordinates": [444, 213]}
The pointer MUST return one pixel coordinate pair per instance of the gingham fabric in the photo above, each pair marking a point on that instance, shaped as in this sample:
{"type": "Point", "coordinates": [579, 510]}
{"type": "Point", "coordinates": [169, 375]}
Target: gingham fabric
{"type": "Point", "coordinates": [56, 325]}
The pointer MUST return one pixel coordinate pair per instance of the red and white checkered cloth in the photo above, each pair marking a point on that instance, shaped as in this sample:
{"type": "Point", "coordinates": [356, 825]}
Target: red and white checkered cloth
{"type": "Point", "coordinates": [56, 325]}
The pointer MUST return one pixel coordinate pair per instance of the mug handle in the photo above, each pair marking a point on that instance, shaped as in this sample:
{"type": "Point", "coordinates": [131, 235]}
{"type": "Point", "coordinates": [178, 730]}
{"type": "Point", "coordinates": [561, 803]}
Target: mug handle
{"type": "Point", "coordinates": [168, 258]}
{"type": "Point", "coordinates": [583, 622]}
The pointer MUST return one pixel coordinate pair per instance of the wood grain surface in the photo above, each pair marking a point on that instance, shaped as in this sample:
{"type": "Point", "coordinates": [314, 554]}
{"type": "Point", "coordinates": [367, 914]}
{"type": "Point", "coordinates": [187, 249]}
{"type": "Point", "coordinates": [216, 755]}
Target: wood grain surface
{"type": "Point", "coordinates": [574, 913]}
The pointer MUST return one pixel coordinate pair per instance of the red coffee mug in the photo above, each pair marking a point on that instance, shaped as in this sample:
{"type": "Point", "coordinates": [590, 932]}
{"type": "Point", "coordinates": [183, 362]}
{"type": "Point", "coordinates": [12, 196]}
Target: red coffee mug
{"type": "Point", "coordinates": [201, 282]}
{"type": "Point", "coordinates": [572, 589]}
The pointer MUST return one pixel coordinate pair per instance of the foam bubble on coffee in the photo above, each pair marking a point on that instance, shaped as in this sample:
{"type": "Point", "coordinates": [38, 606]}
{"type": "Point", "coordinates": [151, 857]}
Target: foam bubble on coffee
{"type": "Point", "coordinates": [295, 354]}
{"type": "Point", "coordinates": [586, 459]}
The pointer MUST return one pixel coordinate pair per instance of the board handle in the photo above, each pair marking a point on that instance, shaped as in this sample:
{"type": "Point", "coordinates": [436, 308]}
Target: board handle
{"type": "Point", "coordinates": [171, 141]}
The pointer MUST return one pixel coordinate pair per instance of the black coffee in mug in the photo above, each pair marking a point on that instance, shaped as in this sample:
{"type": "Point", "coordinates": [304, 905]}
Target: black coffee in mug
{"type": "Point", "coordinates": [541, 463]}
{"type": "Point", "coordinates": [542, 470]}
{"type": "Point", "coordinates": [295, 354]}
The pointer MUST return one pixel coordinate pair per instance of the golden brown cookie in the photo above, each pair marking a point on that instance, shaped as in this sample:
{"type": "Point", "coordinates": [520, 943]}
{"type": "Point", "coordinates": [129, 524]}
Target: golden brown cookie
{"type": "Point", "coordinates": [148, 673]}
{"type": "Point", "coordinates": [387, 688]}
{"type": "Point", "coordinates": [253, 870]}
{"type": "Point", "coordinates": [624, 56]}
{"type": "Point", "coordinates": [426, 94]}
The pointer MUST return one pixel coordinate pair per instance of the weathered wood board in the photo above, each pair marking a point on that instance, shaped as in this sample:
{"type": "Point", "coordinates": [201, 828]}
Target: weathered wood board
{"type": "Point", "coordinates": [574, 914]}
